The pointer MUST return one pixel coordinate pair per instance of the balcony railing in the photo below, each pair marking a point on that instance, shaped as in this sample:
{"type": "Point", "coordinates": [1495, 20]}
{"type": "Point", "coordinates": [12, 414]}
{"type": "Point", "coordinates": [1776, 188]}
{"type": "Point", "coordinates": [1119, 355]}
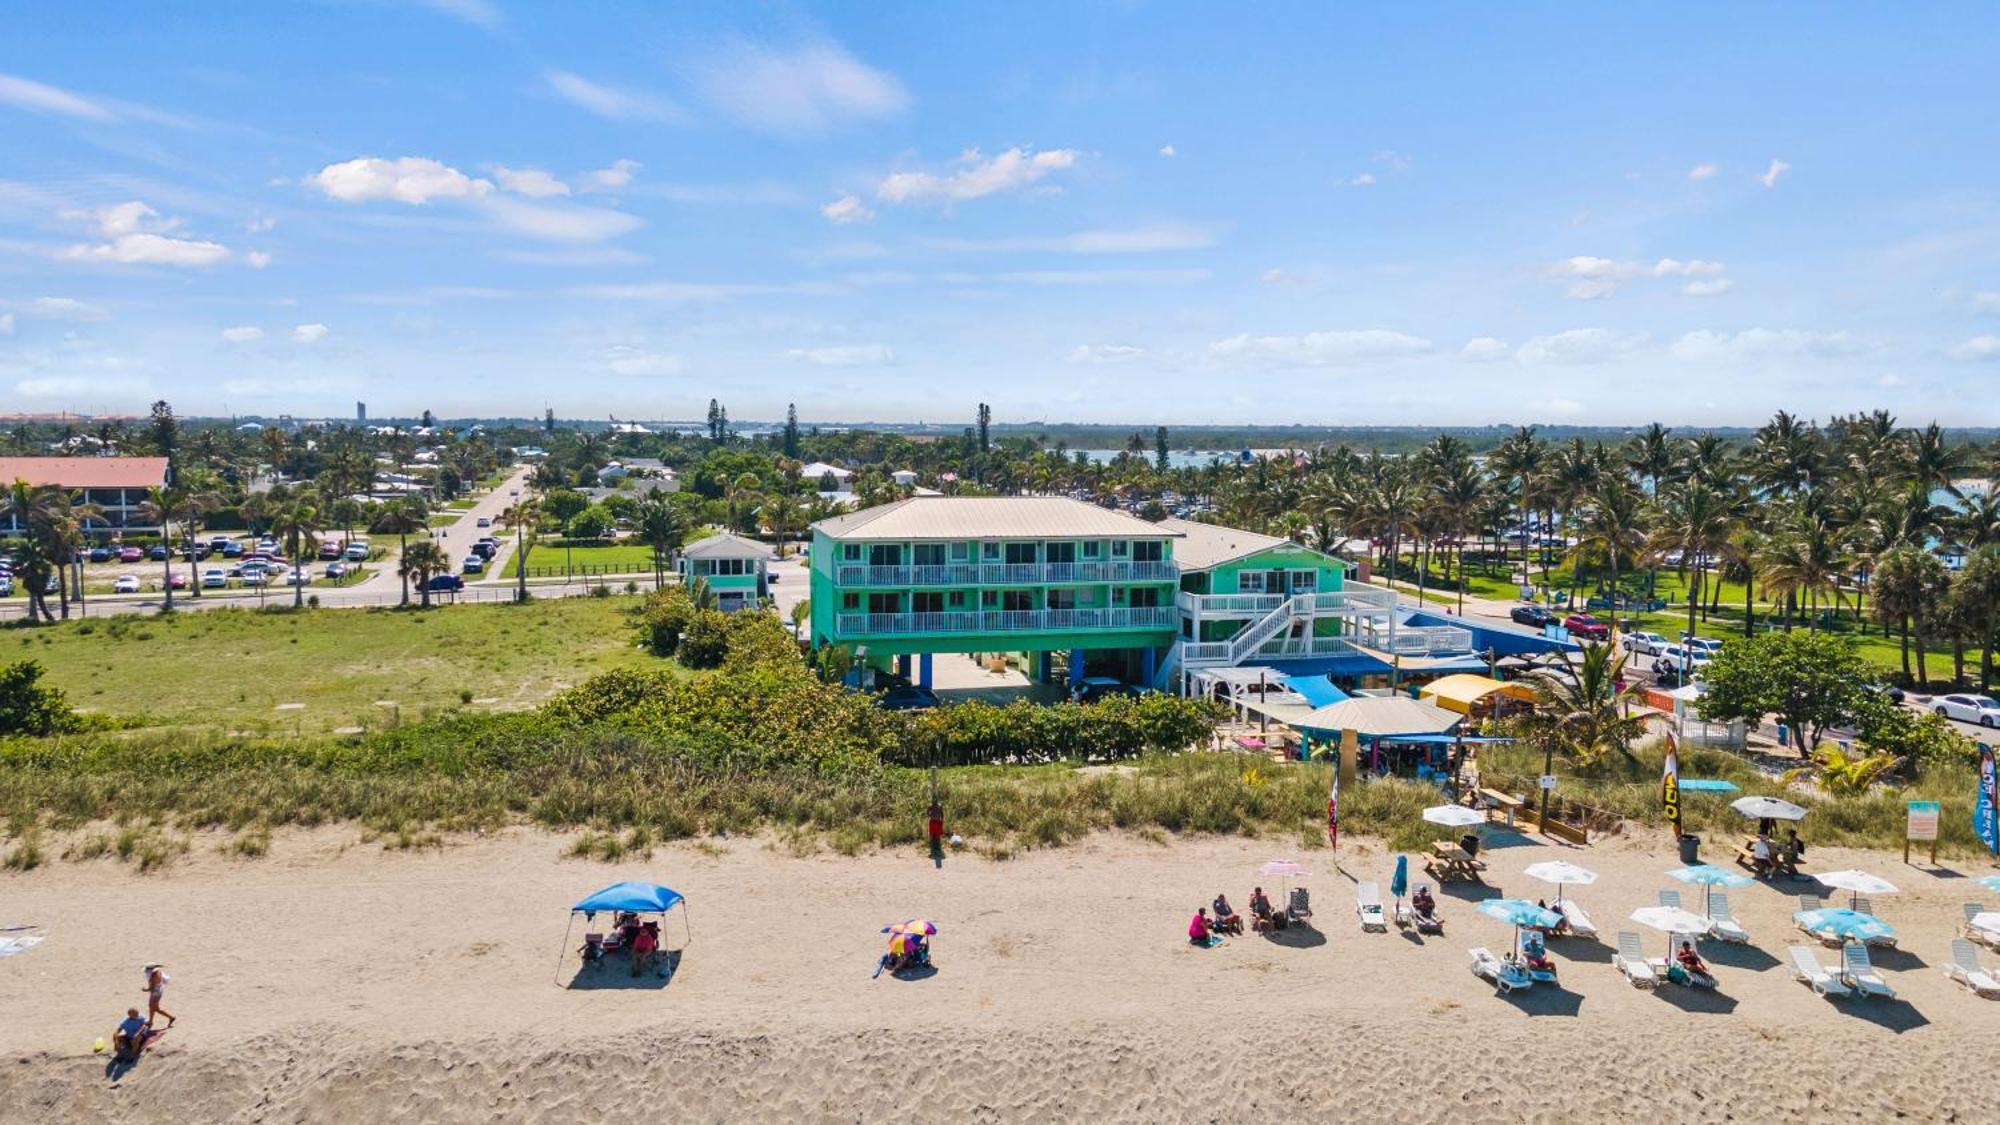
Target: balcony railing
{"type": "Point", "coordinates": [1002, 621]}
{"type": "Point", "coordinates": [1362, 599]}
{"type": "Point", "coordinates": [1205, 654]}
{"type": "Point", "coordinates": [1003, 574]}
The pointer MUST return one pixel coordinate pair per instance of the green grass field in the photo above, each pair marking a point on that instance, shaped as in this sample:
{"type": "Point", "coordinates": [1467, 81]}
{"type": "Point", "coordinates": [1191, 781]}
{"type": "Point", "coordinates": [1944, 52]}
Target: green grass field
{"type": "Point", "coordinates": [622, 558]}
{"type": "Point", "coordinates": [231, 669]}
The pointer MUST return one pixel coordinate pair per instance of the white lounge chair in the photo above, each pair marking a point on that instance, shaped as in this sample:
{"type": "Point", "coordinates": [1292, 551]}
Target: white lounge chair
{"type": "Point", "coordinates": [1964, 968]}
{"type": "Point", "coordinates": [1368, 904]}
{"type": "Point", "coordinates": [1579, 922]}
{"type": "Point", "coordinates": [1505, 975]}
{"type": "Point", "coordinates": [1806, 967]}
{"type": "Point", "coordinates": [1405, 917]}
{"type": "Point", "coordinates": [1859, 972]}
{"type": "Point", "coordinates": [1865, 906]}
{"type": "Point", "coordinates": [1811, 902]}
{"type": "Point", "coordinates": [1722, 920]}
{"type": "Point", "coordinates": [1631, 960]}
{"type": "Point", "coordinates": [1670, 899]}
{"type": "Point", "coordinates": [1981, 934]}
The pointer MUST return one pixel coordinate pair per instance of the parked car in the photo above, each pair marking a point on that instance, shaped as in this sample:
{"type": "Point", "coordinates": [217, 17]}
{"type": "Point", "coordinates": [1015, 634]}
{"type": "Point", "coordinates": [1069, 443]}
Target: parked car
{"type": "Point", "coordinates": [158, 553]}
{"type": "Point", "coordinates": [100, 554]}
{"type": "Point", "coordinates": [1672, 660]}
{"type": "Point", "coordinates": [485, 550]}
{"type": "Point", "coordinates": [6, 586]}
{"type": "Point", "coordinates": [1709, 645]}
{"type": "Point", "coordinates": [196, 552]}
{"type": "Point", "coordinates": [131, 555]}
{"type": "Point", "coordinates": [1588, 627]}
{"type": "Point", "coordinates": [126, 584]}
{"type": "Point", "coordinates": [445, 584]}
{"type": "Point", "coordinates": [178, 580]}
{"type": "Point", "coordinates": [1647, 644]}
{"type": "Point", "coordinates": [907, 697]}
{"type": "Point", "coordinates": [298, 578]}
{"type": "Point", "coordinates": [336, 570]}
{"type": "Point", "coordinates": [355, 553]}
{"type": "Point", "coordinates": [1981, 709]}
{"type": "Point", "coordinates": [1533, 616]}
{"type": "Point", "coordinates": [328, 549]}
{"type": "Point", "coordinates": [231, 549]}
{"type": "Point", "coordinates": [1093, 688]}
{"type": "Point", "coordinates": [213, 579]}
{"type": "Point", "coordinates": [482, 521]}
{"type": "Point", "coordinates": [473, 564]}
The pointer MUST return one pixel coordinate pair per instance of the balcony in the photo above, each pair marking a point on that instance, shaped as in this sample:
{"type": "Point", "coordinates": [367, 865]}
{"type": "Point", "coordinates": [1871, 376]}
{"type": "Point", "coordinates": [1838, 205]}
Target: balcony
{"type": "Point", "coordinates": [847, 575]}
{"type": "Point", "coordinates": [1353, 599]}
{"type": "Point", "coordinates": [962, 622]}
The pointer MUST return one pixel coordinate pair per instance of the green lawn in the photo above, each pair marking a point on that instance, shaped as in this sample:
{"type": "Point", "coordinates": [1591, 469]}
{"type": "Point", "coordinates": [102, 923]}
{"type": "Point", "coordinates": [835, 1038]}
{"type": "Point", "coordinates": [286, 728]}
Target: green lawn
{"type": "Point", "coordinates": [463, 503]}
{"type": "Point", "coordinates": [621, 558]}
{"type": "Point", "coordinates": [232, 668]}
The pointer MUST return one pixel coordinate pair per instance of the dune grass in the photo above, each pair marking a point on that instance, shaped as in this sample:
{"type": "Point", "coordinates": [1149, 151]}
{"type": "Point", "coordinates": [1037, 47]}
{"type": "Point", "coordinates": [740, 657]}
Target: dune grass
{"type": "Point", "coordinates": [229, 669]}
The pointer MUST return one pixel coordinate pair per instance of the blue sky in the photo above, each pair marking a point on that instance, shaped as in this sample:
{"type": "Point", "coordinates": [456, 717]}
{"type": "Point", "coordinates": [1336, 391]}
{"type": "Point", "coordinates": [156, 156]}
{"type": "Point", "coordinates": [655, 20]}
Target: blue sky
{"type": "Point", "coordinates": [1113, 212]}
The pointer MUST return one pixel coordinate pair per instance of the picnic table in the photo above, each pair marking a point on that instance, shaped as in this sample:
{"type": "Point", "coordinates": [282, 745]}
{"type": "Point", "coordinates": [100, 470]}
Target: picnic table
{"type": "Point", "coordinates": [1448, 862]}
{"type": "Point", "coordinates": [1492, 799]}
{"type": "Point", "coordinates": [1779, 864]}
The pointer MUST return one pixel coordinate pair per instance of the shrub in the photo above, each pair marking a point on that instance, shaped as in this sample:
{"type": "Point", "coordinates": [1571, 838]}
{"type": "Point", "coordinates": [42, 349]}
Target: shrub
{"type": "Point", "coordinates": [27, 707]}
{"type": "Point", "coordinates": [705, 641]}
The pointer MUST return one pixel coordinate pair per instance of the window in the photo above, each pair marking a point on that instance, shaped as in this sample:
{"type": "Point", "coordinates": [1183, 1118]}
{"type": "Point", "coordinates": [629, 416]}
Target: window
{"type": "Point", "coordinates": [885, 554]}
{"type": "Point", "coordinates": [930, 601]}
{"type": "Point", "coordinates": [884, 603]}
{"type": "Point", "coordinates": [1060, 552]}
{"type": "Point", "coordinates": [1143, 597]}
{"type": "Point", "coordinates": [1020, 553]}
{"type": "Point", "coordinates": [1148, 550]}
{"type": "Point", "coordinates": [850, 552]}
{"type": "Point", "coordinates": [1093, 549]}
{"type": "Point", "coordinates": [989, 599]}
{"type": "Point", "coordinates": [927, 554]}
{"type": "Point", "coordinates": [961, 551]}
{"type": "Point", "coordinates": [1304, 581]}
{"type": "Point", "coordinates": [990, 552]}
{"type": "Point", "coordinates": [957, 599]}
{"type": "Point", "coordinates": [1121, 549]}
{"type": "Point", "coordinates": [1016, 600]}
{"type": "Point", "coordinates": [1250, 582]}
{"type": "Point", "coordinates": [1062, 599]}
{"type": "Point", "coordinates": [850, 601]}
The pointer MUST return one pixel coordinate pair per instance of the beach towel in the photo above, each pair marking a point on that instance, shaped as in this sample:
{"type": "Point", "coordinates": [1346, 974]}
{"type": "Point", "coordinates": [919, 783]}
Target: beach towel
{"type": "Point", "coordinates": [13, 945]}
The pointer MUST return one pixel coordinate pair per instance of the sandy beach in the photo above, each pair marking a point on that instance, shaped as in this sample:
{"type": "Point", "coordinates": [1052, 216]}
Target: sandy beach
{"type": "Point", "coordinates": [335, 981]}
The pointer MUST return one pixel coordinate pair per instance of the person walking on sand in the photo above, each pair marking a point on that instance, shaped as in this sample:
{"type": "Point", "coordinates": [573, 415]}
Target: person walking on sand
{"type": "Point", "coordinates": [156, 989]}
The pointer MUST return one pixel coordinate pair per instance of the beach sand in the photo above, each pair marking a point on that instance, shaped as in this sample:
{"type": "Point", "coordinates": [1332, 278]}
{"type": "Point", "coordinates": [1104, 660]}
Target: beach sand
{"type": "Point", "coordinates": [336, 981]}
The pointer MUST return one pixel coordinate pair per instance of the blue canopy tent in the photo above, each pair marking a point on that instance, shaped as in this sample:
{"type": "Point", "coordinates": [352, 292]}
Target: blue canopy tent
{"type": "Point", "coordinates": [1316, 690]}
{"type": "Point", "coordinates": [620, 899]}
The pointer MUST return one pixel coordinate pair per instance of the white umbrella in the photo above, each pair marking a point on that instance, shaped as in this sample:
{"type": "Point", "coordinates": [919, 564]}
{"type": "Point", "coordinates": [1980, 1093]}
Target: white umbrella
{"type": "Point", "coordinates": [1284, 868]}
{"type": "Point", "coordinates": [1560, 872]}
{"type": "Point", "coordinates": [1985, 920]}
{"type": "Point", "coordinates": [1767, 808]}
{"type": "Point", "coordinates": [1858, 883]}
{"type": "Point", "coordinates": [1453, 816]}
{"type": "Point", "coordinates": [1673, 920]}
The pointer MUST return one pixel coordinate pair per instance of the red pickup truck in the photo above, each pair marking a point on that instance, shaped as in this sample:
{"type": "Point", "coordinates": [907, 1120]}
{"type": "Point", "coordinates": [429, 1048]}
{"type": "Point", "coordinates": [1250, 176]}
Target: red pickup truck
{"type": "Point", "coordinates": [1587, 627]}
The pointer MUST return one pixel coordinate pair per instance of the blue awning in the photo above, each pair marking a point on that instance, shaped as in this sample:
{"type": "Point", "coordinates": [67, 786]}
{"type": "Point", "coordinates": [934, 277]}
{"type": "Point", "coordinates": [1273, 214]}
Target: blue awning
{"type": "Point", "coordinates": [1346, 664]}
{"type": "Point", "coordinates": [640, 898]}
{"type": "Point", "coordinates": [1316, 690]}
{"type": "Point", "coordinates": [1707, 785]}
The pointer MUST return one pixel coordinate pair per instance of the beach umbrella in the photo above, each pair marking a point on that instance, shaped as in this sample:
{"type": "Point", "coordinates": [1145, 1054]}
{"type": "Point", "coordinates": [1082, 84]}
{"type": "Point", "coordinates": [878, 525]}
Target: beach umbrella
{"type": "Point", "coordinates": [1518, 912]}
{"type": "Point", "coordinates": [1990, 882]}
{"type": "Point", "coordinates": [913, 926]}
{"type": "Point", "coordinates": [1706, 875]}
{"type": "Point", "coordinates": [1858, 883]}
{"type": "Point", "coordinates": [1673, 920]}
{"type": "Point", "coordinates": [1767, 808]}
{"type": "Point", "coordinates": [1561, 872]}
{"type": "Point", "coordinates": [1284, 868]}
{"type": "Point", "coordinates": [1453, 816]}
{"type": "Point", "coordinates": [1847, 925]}
{"type": "Point", "coordinates": [1399, 883]}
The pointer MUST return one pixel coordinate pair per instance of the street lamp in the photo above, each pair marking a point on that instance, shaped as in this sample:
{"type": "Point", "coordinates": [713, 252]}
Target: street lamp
{"type": "Point", "coordinates": [520, 552]}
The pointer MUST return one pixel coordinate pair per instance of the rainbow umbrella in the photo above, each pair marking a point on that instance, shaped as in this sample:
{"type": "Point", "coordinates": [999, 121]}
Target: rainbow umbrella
{"type": "Point", "coordinates": [913, 926]}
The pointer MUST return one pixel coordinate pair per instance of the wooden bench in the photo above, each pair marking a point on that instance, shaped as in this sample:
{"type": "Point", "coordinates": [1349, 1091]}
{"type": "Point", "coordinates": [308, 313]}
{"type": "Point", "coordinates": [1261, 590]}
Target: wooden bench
{"type": "Point", "coordinates": [1493, 799]}
{"type": "Point", "coordinates": [1449, 862]}
{"type": "Point", "coordinates": [1746, 857]}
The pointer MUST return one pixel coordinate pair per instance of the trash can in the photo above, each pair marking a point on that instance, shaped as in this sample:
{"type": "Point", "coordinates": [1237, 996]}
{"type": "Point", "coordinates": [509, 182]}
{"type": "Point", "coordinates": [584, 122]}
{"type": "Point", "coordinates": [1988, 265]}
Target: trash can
{"type": "Point", "coordinates": [1690, 846]}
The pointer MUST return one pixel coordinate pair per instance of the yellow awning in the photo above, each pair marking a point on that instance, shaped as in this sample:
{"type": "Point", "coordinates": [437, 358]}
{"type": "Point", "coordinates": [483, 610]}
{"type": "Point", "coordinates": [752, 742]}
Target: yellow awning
{"type": "Point", "coordinates": [1460, 692]}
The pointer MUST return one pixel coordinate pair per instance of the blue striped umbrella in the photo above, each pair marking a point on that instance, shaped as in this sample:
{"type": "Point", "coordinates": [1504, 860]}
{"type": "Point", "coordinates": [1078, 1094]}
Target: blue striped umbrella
{"type": "Point", "coordinates": [1990, 882]}
{"type": "Point", "coordinates": [1706, 875]}
{"type": "Point", "coordinates": [1847, 925]}
{"type": "Point", "coordinates": [1519, 912]}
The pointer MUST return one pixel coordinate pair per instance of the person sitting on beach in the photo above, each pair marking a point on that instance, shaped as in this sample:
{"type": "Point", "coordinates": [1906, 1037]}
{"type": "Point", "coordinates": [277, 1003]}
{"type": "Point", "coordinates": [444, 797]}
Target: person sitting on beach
{"type": "Point", "coordinates": [131, 1035]}
{"type": "Point", "coordinates": [1260, 909]}
{"type": "Point", "coordinates": [1691, 963]}
{"type": "Point", "coordinates": [1760, 856]}
{"type": "Point", "coordinates": [1198, 927]}
{"type": "Point", "coordinates": [645, 943]}
{"type": "Point", "coordinates": [1791, 853]}
{"type": "Point", "coordinates": [1562, 920]}
{"type": "Point", "coordinates": [1535, 954]}
{"type": "Point", "coordinates": [1227, 921]}
{"type": "Point", "coordinates": [1424, 907]}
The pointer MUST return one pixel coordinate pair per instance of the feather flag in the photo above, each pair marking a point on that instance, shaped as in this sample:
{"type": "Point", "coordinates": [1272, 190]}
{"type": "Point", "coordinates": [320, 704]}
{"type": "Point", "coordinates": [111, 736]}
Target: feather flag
{"type": "Point", "coordinates": [1670, 785]}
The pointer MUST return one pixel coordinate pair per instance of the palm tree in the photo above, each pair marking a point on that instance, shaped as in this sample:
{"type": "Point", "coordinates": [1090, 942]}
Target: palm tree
{"type": "Point", "coordinates": [1613, 529]}
{"type": "Point", "coordinates": [1650, 455]}
{"type": "Point", "coordinates": [172, 505]}
{"type": "Point", "coordinates": [400, 518]}
{"type": "Point", "coordinates": [1577, 713]}
{"type": "Point", "coordinates": [297, 524]}
{"type": "Point", "coordinates": [1803, 558]}
{"type": "Point", "coordinates": [523, 517]}
{"type": "Point", "coordinates": [1695, 520]}
{"type": "Point", "coordinates": [783, 517]}
{"type": "Point", "coordinates": [1520, 456]}
{"type": "Point", "coordinates": [422, 561]}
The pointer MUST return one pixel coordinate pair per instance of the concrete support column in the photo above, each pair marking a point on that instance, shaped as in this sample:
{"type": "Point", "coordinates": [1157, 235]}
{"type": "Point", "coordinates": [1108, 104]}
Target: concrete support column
{"type": "Point", "coordinates": [1075, 666]}
{"type": "Point", "coordinates": [1149, 666]}
{"type": "Point", "coordinates": [924, 670]}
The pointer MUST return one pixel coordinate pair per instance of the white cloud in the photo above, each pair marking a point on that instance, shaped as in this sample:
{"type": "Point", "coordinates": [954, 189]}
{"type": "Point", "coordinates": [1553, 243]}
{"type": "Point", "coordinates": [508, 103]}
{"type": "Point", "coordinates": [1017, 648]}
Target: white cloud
{"type": "Point", "coordinates": [1322, 349]}
{"type": "Point", "coordinates": [803, 90]}
{"type": "Point", "coordinates": [1670, 267]}
{"type": "Point", "coordinates": [1770, 177]}
{"type": "Point", "coordinates": [309, 333]}
{"type": "Point", "coordinates": [1484, 349]}
{"type": "Point", "coordinates": [1096, 277]}
{"type": "Point", "coordinates": [1275, 276]}
{"type": "Point", "coordinates": [79, 386]}
{"type": "Point", "coordinates": [846, 209]}
{"type": "Point", "coordinates": [1583, 265]}
{"type": "Point", "coordinates": [1599, 277]}
{"type": "Point", "coordinates": [1166, 150]}
{"type": "Point", "coordinates": [531, 182]}
{"type": "Point", "coordinates": [1591, 288]}
{"type": "Point", "coordinates": [623, 359]}
{"type": "Point", "coordinates": [1702, 171]}
{"type": "Point", "coordinates": [256, 259]}
{"type": "Point", "coordinates": [130, 217]}
{"type": "Point", "coordinates": [409, 179]}
{"type": "Point", "coordinates": [6, 324]}
{"type": "Point", "coordinates": [149, 249]}
{"type": "Point", "coordinates": [1711, 288]}
{"type": "Point", "coordinates": [1978, 348]}
{"type": "Point", "coordinates": [1136, 240]}
{"type": "Point", "coordinates": [260, 225]}
{"type": "Point", "coordinates": [605, 101]}
{"type": "Point", "coordinates": [559, 223]}
{"type": "Point", "coordinates": [976, 176]}
{"type": "Point", "coordinates": [1707, 346]}
{"type": "Point", "coordinates": [479, 13]}
{"type": "Point", "coordinates": [63, 308]}
{"type": "Point", "coordinates": [243, 333]}
{"type": "Point", "coordinates": [854, 355]}
{"type": "Point", "coordinates": [1365, 179]}
{"type": "Point", "coordinates": [1580, 345]}
{"type": "Point", "coordinates": [28, 94]}
{"type": "Point", "coordinates": [1103, 354]}
{"type": "Point", "coordinates": [1986, 302]}
{"type": "Point", "coordinates": [615, 178]}
{"type": "Point", "coordinates": [1396, 161]}
{"type": "Point", "coordinates": [577, 256]}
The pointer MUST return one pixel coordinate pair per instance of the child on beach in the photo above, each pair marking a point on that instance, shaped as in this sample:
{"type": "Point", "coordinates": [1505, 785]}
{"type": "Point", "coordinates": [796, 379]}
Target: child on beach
{"type": "Point", "coordinates": [155, 990]}
{"type": "Point", "coordinates": [1198, 927]}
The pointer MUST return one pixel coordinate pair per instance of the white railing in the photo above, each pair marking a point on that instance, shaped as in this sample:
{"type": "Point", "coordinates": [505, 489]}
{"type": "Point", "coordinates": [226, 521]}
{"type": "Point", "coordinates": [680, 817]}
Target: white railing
{"type": "Point", "coordinates": [1366, 599]}
{"type": "Point", "coordinates": [1257, 632]}
{"type": "Point", "coordinates": [1002, 574]}
{"type": "Point", "coordinates": [1204, 652]}
{"type": "Point", "coordinates": [1002, 621]}
{"type": "Point", "coordinates": [1291, 648]}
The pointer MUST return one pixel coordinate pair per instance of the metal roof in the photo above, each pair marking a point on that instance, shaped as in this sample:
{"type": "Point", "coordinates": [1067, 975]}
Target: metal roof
{"type": "Point", "coordinates": [1205, 545]}
{"type": "Point", "coordinates": [990, 517]}
{"type": "Point", "coordinates": [726, 546]}
{"type": "Point", "coordinates": [86, 472]}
